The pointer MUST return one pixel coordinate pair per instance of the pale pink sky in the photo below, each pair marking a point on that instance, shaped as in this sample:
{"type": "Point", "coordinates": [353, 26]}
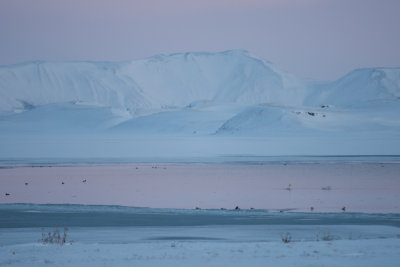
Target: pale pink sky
{"type": "Point", "coordinates": [321, 39]}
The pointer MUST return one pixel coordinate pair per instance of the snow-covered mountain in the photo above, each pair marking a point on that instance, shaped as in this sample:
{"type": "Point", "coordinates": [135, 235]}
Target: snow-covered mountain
{"type": "Point", "coordinates": [230, 96]}
{"type": "Point", "coordinates": [159, 82]}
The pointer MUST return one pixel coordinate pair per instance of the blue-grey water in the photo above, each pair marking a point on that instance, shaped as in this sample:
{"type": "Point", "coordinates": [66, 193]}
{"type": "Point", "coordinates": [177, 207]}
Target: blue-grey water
{"type": "Point", "coordinates": [35, 215]}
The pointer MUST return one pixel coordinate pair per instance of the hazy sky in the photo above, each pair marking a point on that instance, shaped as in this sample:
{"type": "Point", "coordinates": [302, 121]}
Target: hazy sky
{"type": "Point", "coordinates": [321, 39]}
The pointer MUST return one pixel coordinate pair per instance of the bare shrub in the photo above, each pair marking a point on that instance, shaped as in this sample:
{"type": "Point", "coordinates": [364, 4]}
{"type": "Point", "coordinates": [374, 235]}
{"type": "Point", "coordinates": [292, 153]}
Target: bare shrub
{"type": "Point", "coordinates": [55, 237]}
{"type": "Point", "coordinates": [286, 238]}
{"type": "Point", "coordinates": [326, 236]}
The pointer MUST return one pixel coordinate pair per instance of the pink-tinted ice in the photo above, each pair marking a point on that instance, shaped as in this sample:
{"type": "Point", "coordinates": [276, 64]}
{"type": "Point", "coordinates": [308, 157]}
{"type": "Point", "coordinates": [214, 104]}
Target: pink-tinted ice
{"type": "Point", "coordinates": [324, 187]}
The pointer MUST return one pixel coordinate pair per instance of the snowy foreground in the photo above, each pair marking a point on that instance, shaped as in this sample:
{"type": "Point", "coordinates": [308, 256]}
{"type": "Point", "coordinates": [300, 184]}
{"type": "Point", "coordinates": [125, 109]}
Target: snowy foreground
{"type": "Point", "coordinates": [314, 240]}
{"type": "Point", "coordinates": [366, 252]}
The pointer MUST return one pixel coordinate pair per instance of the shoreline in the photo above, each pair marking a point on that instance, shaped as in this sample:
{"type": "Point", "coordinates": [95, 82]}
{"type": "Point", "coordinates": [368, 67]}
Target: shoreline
{"type": "Point", "coordinates": [218, 159]}
{"type": "Point", "coordinates": [68, 208]}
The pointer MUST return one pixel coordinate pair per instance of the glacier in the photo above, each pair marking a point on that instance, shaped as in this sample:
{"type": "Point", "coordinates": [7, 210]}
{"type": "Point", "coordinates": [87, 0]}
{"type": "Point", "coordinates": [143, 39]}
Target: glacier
{"type": "Point", "coordinates": [191, 105]}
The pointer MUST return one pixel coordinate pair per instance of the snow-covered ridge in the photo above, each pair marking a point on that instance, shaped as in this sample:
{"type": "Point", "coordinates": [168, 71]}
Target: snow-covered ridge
{"type": "Point", "coordinates": [165, 82]}
{"type": "Point", "coordinates": [155, 83]}
{"type": "Point", "coordinates": [359, 87]}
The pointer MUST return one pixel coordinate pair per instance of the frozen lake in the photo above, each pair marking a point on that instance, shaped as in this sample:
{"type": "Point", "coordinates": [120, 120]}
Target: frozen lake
{"type": "Point", "coordinates": [183, 214]}
{"type": "Point", "coordinates": [279, 186]}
